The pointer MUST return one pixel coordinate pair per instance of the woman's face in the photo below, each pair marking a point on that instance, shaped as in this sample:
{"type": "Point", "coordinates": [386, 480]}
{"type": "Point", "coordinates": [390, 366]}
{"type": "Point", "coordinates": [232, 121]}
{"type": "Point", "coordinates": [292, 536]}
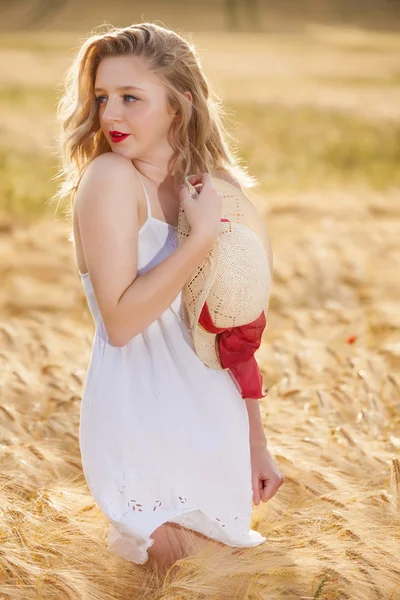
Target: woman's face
{"type": "Point", "coordinates": [140, 111]}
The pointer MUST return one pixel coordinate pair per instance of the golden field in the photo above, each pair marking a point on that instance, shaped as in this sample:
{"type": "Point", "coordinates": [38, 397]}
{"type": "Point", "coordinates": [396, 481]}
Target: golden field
{"type": "Point", "coordinates": [317, 119]}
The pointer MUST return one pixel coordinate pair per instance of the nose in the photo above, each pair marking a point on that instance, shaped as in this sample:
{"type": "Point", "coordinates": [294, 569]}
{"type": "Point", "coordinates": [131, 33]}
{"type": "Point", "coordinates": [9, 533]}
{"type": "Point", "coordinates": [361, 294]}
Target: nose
{"type": "Point", "coordinates": [112, 112]}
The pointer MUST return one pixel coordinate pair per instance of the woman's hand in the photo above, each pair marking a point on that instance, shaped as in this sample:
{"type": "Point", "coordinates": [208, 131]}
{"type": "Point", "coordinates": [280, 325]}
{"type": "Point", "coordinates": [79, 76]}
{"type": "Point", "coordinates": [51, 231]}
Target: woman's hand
{"type": "Point", "coordinates": [266, 478]}
{"type": "Point", "coordinates": [203, 212]}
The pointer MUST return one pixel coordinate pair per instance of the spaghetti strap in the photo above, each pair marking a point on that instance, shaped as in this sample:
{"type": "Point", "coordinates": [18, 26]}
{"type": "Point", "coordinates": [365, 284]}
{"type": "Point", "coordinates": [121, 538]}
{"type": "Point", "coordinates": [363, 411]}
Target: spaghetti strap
{"type": "Point", "coordinates": [147, 198]}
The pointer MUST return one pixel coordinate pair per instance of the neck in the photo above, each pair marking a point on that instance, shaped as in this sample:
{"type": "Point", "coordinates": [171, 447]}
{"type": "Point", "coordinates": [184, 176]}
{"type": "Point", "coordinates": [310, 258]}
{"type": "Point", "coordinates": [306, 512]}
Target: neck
{"type": "Point", "coordinates": [159, 175]}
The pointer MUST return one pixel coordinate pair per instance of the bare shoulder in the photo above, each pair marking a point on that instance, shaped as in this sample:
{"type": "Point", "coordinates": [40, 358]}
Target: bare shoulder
{"type": "Point", "coordinates": [106, 166]}
{"type": "Point", "coordinates": [107, 215]}
{"type": "Point", "coordinates": [110, 159]}
{"type": "Point", "coordinates": [107, 172]}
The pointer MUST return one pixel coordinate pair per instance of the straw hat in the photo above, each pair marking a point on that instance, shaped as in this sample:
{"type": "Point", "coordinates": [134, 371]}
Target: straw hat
{"type": "Point", "coordinates": [234, 278]}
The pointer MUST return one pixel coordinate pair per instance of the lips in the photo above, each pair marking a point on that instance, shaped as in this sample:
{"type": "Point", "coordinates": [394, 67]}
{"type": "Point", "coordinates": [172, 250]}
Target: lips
{"type": "Point", "coordinates": [118, 136]}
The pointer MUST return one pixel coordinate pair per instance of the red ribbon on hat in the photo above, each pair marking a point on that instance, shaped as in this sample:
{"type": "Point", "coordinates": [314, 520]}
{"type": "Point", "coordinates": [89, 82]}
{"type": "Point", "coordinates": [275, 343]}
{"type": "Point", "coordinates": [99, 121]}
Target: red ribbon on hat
{"type": "Point", "coordinates": [236, 347]}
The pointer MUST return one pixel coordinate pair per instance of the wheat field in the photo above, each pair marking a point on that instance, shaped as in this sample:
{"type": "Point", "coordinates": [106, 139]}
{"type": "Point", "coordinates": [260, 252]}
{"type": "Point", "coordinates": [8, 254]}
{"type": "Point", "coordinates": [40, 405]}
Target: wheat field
{"type": "Point", "coordinates": [317, 119]}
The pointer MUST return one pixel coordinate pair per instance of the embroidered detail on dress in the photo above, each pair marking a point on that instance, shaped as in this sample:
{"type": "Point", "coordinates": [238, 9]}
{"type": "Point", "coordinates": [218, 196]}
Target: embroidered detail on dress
{"type": "Point", "coordinates": [135, 505]}
{"type": "Point", "coordinates": [157, 504]}
{"type": "Point", "coordinates": [182, 499]}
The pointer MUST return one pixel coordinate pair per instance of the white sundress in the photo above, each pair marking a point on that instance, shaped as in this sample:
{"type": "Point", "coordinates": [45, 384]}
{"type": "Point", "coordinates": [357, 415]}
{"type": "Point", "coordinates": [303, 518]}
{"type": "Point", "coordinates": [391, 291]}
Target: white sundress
{"type": "Point", "coordinates": [162, 436]}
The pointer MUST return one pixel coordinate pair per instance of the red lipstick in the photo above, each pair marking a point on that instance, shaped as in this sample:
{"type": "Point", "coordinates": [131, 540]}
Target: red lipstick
{"type": "Point", "coordinates": [118, 136]}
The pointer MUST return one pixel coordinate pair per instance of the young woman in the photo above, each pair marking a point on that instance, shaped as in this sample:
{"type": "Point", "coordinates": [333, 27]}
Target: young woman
{"type": "Point", "coordinates": [170, 450]}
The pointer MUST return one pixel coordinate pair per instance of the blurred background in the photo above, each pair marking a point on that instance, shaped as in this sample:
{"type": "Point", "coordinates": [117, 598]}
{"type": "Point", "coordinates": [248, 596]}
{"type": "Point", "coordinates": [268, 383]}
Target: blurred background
{"type": "Point", "coordinates": [312, 94]}
{"type": "Point", "coordinates": [209, 15]}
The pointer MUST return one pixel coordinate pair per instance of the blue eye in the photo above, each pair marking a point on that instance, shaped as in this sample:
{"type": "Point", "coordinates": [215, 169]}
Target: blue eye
{"type": "Point", "coordinates": [129, 96]}
{"type": "Point", "coordinates": [98, 99]}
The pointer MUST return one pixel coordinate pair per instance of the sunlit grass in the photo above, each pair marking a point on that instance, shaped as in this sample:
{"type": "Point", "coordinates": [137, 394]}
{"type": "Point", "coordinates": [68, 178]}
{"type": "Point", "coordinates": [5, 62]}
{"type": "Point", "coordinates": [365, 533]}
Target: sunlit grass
{"type": "Point", "coordinates": [330, 356]}
{"type": "Point", "coordinates": [25, 184]}
{"type": "Point", "coordinates": [14, 97]}
{"type": "Point", "coordinates": [393, 79]}
{"type": "Point", "coordinates": [48, 42]}
{"type": "Point", "coordinates": [306, 148]}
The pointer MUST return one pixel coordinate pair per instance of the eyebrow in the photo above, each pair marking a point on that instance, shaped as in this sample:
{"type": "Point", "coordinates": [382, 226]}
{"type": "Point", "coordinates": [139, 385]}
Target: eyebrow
{"type": "Point", "coordinates": [122, 87]}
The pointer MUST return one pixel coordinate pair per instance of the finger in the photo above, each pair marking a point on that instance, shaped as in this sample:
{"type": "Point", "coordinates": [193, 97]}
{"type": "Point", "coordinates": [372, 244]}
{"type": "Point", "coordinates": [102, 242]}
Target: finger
{"type": "Point", "coordinates": [194, 188]}
{"type": "Point", "coordinates": [195, 179]}
{"type": "Point", "coordinates": [268, 490]}
{"type": "Point", "coordinates": [184, 193]}
{"type": "Point", "coordinates": [207, 181]}
{"type": "Point", "coordinates": [266, 493]}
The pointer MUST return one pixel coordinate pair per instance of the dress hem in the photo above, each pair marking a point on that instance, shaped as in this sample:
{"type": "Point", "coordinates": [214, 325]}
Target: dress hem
{"type": "Point", "coordinates": [135, 549]}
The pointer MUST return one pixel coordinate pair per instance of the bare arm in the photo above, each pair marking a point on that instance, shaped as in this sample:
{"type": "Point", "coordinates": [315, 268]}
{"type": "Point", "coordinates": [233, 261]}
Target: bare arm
{"type": "Point", "coordinates": [107, 209]}
{"type": "Point", "coordinates": [153, 292]}
{"type": "Point", "coordinates": [257, 434]}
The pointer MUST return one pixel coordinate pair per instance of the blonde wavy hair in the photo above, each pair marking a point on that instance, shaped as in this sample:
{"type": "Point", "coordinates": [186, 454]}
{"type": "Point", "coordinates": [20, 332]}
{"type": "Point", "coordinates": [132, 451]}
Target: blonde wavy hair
{"type": "Point", "coordinates": [199, 139]}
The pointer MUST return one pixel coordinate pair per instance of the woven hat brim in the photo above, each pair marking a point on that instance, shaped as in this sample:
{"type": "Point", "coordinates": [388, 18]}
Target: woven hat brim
{"type": "Point", "coordinates": [237, 209]}
{"type": "Point", "coordinates": [217, 297]}
{"type": "Point", "coordinates": [204, 341]}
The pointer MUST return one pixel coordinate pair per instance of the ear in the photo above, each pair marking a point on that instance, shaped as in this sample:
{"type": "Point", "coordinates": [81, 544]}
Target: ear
{"type": "Point", "coordinates": [189, 96]}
